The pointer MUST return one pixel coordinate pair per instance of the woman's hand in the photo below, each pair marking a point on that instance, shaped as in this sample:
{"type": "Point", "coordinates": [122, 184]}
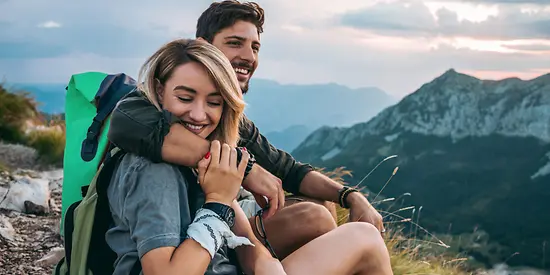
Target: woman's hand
{"type": "Point", "coordinates": [220, 176]}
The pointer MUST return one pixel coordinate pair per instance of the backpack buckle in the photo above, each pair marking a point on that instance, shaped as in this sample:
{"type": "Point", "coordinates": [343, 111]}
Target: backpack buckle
{"type": "Point", "coordinates": [94, 129]}
{"type": "Point", "coordinates": [89, 144]}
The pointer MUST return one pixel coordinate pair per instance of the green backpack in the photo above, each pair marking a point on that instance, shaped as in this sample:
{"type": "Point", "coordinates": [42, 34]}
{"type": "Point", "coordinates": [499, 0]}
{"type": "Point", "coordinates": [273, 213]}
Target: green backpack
{"type": "Point", "coordinates": [89, 163]}
{"type": "Point", "coordinates": [90, 99]}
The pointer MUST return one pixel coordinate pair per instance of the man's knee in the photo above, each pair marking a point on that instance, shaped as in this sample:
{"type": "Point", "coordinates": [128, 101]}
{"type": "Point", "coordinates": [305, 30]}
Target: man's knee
{"type": "Point", "coordinates": [314, 218]}
{"type": "Point", "coordinates": [330, 206]}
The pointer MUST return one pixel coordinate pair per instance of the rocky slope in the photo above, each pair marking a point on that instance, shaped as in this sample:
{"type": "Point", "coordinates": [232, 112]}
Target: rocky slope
{"type": "Point", "coordinates": [30, 205]}
{"type": "Point", "coordinates": [475, 154]}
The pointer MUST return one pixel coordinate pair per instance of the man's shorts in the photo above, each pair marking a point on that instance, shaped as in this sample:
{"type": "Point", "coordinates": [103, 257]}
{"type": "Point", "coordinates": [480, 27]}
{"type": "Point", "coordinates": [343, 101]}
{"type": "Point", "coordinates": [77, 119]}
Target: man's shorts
{"type": "Point", "coordinates": [248, 203]}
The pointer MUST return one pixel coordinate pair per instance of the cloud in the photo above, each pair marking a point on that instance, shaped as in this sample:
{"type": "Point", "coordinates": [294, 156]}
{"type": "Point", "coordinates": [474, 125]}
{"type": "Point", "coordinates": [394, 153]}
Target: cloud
{"type": "Point", "coordinates": [304, 41]}
{"type": "Point", "coordinates": [122, 30]}
{"type": "Point", "coordinates": [320, 56]}
{"type": "Point", "coordinates": [532, 47]}
{"type": "Point", "coordinates": [416, 19]}
{"type": "Point", "coordinates": [536, 2]}
{"type": "Point", "coordinates": [49, 24]}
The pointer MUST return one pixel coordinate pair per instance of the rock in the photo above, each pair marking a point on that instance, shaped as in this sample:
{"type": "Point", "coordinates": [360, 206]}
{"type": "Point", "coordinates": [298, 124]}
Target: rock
{"type": "Point", "coordinates": [53, 257]}
{"type": "Point", "coordinates": [24, 189]}
{"type": "Point", "coordinates": [18, 156]}
{"type": "Point", "coordinates": [6, 229]}
{"type": "Point", "coordinates": [33, 208]}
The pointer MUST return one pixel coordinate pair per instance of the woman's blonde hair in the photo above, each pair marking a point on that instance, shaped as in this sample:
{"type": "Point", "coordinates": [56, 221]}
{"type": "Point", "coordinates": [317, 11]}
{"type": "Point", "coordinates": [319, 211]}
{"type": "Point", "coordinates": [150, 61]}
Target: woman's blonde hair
{"type": "Point", "coordinates": [159, 68]}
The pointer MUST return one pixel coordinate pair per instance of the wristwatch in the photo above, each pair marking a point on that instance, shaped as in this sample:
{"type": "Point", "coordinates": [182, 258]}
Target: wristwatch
{"type": "Point", "coordinates": [224, 211]}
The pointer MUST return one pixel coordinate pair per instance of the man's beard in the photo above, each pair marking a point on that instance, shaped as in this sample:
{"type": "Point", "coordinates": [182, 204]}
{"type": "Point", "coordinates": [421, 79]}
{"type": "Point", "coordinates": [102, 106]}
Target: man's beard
{"type": "Point", "coordinates": [244, 87]}
{"type": "Point", "coordinates": [249, 67]}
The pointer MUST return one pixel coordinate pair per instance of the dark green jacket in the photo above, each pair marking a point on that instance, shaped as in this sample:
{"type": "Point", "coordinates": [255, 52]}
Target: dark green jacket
{"type": "Point", "coordinates": [138, 127]}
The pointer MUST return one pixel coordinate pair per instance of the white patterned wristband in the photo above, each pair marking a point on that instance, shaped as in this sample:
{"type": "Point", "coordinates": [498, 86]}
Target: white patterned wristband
{"type": "Point", "coordinates": [211, 232]}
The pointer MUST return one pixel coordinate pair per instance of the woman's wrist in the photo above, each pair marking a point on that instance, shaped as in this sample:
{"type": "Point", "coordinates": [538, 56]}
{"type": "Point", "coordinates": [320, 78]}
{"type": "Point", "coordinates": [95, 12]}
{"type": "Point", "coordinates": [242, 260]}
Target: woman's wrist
{"type": "Point", "coordinates": [218, 199]}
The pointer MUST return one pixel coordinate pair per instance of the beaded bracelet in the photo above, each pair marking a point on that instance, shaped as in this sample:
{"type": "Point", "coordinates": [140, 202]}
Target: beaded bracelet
{"type": "Point", "coordinates": [343, 195]}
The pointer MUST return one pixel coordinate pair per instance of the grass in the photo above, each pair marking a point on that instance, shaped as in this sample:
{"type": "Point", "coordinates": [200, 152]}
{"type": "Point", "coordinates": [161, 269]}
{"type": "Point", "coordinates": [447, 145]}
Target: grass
{"type": "Point", "coordinates": [410, 254]}
{"type": "Point", "coordinates": [4, 167]}
{"type": "Point", "coordinates": [416, 255]}
{"type": "Point", "coordinates": [49, 143]}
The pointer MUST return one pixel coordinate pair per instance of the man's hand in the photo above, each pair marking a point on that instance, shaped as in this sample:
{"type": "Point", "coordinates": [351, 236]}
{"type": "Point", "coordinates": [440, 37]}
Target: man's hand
{"type": "Point", "coordinates": [362, 210]}
{"type": "Point", "coordinates": [261, 183]}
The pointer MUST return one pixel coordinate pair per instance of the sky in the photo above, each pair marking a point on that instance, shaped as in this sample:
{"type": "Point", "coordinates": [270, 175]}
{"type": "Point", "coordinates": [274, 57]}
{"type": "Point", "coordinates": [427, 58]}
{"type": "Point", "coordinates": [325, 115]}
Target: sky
{"type": "Point", "coordinates": [394, 45]}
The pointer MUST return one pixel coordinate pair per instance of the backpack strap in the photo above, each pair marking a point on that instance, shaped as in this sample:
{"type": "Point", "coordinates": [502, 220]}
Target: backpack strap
{"type": "Point", "coordinates": [111, 90]}
{"type": "Point", "coordinates": [104, 219]}
{"type": "Point", "coordinates": [101, 256]}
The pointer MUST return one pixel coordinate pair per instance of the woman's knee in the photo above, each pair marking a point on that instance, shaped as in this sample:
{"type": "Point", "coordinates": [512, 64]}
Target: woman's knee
{"type": "Point", "coordinates": [364, 235]}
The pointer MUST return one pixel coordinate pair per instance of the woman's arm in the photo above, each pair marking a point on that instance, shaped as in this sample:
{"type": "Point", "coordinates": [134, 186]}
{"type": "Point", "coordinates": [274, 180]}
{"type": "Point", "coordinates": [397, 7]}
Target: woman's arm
{"type": "Point", "coordinates": [250, 257]}
{"type": "Point", "coordinates": [148, 201]}
{"type": "Point", "coordinates": [190, 258]}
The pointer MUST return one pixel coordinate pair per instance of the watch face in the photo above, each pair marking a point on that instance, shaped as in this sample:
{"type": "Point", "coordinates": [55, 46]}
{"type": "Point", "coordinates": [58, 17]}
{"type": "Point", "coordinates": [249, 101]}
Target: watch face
{"type": "Point", "coordinates": [230, 217]}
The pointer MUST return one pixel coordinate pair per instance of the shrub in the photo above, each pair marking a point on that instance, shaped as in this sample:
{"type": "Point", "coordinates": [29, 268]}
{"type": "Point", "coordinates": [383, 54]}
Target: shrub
{"type": "Point", "coordinates": [49, 143]}
{"type": "Point", "coordinates": [15, 110]}
{"type": "Point", "coordinates": [16, 156]}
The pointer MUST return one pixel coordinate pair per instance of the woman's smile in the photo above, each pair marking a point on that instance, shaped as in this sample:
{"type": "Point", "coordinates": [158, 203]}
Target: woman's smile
{"type": "Point", "coordinates": [195, 128]}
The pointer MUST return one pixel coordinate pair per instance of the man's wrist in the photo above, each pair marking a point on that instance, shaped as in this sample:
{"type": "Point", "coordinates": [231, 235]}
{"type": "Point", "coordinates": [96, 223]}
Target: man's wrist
{"type": "Point", "coordinates": [251, 160]}
{"type": "Point", "coordinates": [356, 198]}
{"type": "Point", "coordinates": [343, 195]}
{"type": "Point", "coordinates": [252, 172]}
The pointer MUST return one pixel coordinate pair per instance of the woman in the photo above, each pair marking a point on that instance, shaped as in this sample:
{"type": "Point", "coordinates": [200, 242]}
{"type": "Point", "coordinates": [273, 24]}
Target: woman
{"type": "Point", "coordinates": [176, 224]}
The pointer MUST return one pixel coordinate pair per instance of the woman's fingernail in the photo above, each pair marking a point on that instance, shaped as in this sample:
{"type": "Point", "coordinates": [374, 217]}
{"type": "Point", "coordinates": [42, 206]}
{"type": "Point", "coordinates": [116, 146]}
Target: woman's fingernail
{"type": "Point", "coordinates": [207, 155]}
{"type": "Point", "coordinates": [244, 148]}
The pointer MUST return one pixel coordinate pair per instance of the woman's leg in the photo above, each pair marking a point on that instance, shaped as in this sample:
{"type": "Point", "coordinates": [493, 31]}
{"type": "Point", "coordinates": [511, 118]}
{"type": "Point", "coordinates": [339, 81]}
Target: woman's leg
{"type": "Point", "coordinates": [353, 248]}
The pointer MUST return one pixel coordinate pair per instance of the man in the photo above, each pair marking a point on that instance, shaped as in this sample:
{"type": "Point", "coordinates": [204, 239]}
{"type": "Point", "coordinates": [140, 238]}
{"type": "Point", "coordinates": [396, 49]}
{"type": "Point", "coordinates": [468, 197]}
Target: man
{"type": "Point", "coordinates": [138, 127]}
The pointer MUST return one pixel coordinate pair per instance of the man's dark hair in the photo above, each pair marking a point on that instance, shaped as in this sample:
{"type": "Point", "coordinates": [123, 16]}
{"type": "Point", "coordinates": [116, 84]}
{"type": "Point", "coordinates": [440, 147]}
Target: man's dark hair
{"type": "Point", "coordinates": [221, 15]}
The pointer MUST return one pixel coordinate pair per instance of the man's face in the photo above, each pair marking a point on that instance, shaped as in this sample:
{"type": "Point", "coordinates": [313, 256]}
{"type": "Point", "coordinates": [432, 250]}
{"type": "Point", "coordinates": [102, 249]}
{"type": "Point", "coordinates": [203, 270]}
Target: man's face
{"type": "Point", "coordinates": [240, 43]}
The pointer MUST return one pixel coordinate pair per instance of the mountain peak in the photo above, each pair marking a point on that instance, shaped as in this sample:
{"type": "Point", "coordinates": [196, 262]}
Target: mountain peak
{"type": "Point", "coordinates": [457, 106]}
{"type": "Point", "coordinates": [450, 72]}
{"type": "Point", "coordinates": [460, 105]}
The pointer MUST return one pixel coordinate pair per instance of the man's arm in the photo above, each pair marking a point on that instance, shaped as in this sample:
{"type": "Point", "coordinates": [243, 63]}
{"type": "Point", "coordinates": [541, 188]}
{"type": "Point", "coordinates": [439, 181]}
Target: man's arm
{"type": "Point", "coordinates": [137, 126]}
{"type": "Point", "coordinates": [301, 179]}
{"type": "Point", "coordinates": [276, 161]}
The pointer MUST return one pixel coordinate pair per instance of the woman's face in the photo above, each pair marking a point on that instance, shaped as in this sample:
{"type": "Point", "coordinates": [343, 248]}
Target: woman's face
{"type": "Point", "coordinates": [191, 95]}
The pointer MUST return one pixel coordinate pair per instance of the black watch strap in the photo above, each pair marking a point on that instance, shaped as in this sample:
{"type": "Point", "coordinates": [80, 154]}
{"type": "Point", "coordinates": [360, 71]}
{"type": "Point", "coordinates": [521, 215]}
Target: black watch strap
{"type": "Point", "coordinates": [224, 211]}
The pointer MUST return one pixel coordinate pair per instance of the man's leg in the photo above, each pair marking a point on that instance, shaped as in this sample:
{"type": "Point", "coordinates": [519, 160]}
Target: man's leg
{"type": "Point", "coordinates": [330, 206]}
{"type": "Point", "coordinates": [298, 223]}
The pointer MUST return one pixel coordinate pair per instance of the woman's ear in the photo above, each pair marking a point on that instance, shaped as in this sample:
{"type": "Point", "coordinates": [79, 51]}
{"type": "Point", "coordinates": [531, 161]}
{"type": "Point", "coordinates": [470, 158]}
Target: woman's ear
{"type": "Point", "coordinates": [159, 90]}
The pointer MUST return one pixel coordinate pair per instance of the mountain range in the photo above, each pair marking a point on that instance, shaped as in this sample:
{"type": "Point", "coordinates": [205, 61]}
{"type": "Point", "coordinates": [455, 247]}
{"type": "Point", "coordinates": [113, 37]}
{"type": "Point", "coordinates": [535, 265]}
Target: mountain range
{"type": "Point", "coordinates": [285, 114]}
{"type": "Point", "coordinates": [473, 154]}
